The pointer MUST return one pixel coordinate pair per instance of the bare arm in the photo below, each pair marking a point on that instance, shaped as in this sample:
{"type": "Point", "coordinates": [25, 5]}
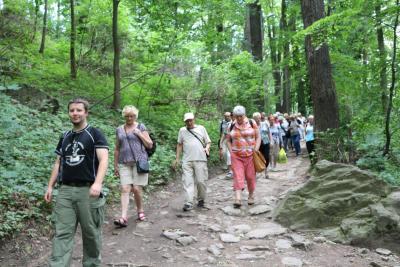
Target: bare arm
{"type": "Point", "coordinates": [178, 154]}
{"type": "Point", "coordinates": [144, 136]}
{"type": "Point", "coordinates": [229, 143]}
{"type": "Point", "coordinates": [102, 155]}
{"type": "Point", "coordinates": [258, 140]}
{"type": "Point", "coordinates": [116, 157]}
{"type": "Point", "coordinates": [52, 180]}
{"type": "Point", "coordinates": [207, 148]}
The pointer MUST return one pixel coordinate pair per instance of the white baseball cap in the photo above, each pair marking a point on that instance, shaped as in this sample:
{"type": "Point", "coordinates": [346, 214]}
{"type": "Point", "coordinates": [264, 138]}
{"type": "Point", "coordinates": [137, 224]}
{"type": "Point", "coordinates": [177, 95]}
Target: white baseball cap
{"type": "Point", "coordinates": [188, 116]}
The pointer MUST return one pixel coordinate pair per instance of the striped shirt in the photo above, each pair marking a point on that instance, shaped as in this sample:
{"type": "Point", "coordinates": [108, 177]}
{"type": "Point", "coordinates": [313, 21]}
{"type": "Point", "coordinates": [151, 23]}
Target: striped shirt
{"type": "Point", "coordinates": [243, 138]}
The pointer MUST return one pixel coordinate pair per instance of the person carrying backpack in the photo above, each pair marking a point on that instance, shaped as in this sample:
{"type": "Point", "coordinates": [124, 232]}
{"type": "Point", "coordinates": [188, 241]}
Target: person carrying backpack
{"type": "Point", "coordinates": [79, 169]}
{"type": "Point", "coordinates": [243, 139]}
{"type": "Point", "coordinates": [132, 139]}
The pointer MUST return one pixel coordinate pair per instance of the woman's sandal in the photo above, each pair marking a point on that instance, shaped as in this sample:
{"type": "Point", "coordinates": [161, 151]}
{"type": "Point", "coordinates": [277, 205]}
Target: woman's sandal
{"type": "Point", "coordinates": [141, 216]}
{"type": "Point", "coordinates": [237, 204]}
{"type": "Point", "coordinates": [250, 201]}
{"type": "Point", "coordinates": [121, 222]}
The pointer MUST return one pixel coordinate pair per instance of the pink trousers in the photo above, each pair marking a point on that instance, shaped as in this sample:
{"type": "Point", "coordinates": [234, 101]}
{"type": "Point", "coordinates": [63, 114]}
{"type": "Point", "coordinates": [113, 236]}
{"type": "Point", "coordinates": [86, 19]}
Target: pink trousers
{"type": "Point", "coordinates": [243, 169]}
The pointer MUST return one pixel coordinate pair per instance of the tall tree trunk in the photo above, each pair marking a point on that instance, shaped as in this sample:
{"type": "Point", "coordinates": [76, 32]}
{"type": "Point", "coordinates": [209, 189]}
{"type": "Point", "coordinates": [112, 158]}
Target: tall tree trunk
{"type": "Point", "coordinates": [275, 60]}
{"type": "Point", "coordinates": [72, 41]}
{"type": "Point", "coordinates": [329, 8]}
{"type": "Point", "coordinates": [58, 23]}
{"type": "Point", "coordinates": [255, 24]}
{"type": "Point", "coordinates": [117, 74]}
{"type": "Point", "coordinates": [37, 6]}
{"type": "Point", "coordinates": [44, 29]}
{"type": "Point", "coordinates": [301, 96]}
{"type": "Point", "coordinates": [388, 134]}
{"type": "Point", "coordinates": [382, 58]}
{"type": "Point", "coordinates": [286, 55]}
{"type": "Point", "coordinates": [247, 35]}
{"type": "Point", "coordinates": [323, 92]}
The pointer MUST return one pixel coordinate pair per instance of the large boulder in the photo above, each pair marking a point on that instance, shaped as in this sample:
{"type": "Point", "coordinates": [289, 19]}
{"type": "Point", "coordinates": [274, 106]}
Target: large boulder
{"type": "Point", "coordinates": [343, 202]}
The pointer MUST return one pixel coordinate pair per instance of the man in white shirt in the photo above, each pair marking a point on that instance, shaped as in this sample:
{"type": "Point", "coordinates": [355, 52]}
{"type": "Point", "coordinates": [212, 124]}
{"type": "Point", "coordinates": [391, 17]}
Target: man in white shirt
{"type": "Point", "coordinates": [194, 142]}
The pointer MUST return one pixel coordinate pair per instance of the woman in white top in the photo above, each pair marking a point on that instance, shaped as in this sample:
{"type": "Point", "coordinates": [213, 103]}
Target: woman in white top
{"type": "Point", "coordinates": [263, 127]}
{"type": "Point", "coordinates": [276, 140]}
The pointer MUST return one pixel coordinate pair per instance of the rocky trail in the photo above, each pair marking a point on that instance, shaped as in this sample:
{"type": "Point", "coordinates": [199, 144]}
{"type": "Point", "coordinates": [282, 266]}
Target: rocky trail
{"type": "Point", "coordinates": [221, 235]}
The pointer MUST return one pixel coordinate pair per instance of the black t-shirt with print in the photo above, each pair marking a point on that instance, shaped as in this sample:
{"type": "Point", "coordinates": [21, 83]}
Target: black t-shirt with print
{"type": "Point", "coordinates": [77, 150]}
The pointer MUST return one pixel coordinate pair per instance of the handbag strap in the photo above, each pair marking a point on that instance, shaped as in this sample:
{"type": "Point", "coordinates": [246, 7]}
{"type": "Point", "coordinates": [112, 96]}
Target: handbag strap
{"type": "Point", "coordinates": [196, 137]}
{"type": "Point", "coordinates": [127, 140]}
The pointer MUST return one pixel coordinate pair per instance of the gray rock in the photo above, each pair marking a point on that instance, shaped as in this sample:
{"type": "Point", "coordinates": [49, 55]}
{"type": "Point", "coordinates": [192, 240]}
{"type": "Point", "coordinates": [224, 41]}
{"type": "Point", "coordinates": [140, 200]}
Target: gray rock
{"type": "Point", "coordinates": [363, 251]}
{"type": "Point", "coordinates": [383, 251]}
{"type": "Point", "coordinates": [319, 239]}
{"type": "Point", "coordinates": [214, 228]}
{"type": "Point", "coordinates": [174, 234]}
{"type": "Point", "coordinates": [211, 259]}
{"type": "Point", "coordinates": [268, 200]}
{"type": "Point", "coordinates": [213, 249]}
{"type": "Point", "coordinates": [283, 244]}
{"type": "Point", "coordinates": [193, 257]}
{"type": "Point", "coordinates": [333, 193]}
{"type": "Point", "coordinates": [220, 246]}
{"type": "Point", "coordinates": [249, 257]}
{"type": "Point", "coordinates": [385, 219]}
{"type": "Point", "coordinates": [239, 229]}
{"type": "Point", "coordinates": [228, 238]}
{"type": "Point", "coordinates": [384, 258]}
{"type": "Point", "coordinates": [166, 256]}
{"type": "Point", "coordinates": [229, 210]}
{"type": "Point", "coordinates": [259, 209]}
{"type": "Point", "coordinates": [374, 264]}
{"type": "Point", "coordinates": [254, 248]}
{"type": "Point", "coordinates": [292, 262]}
{"type": "Point", "coordinates": [295, 237]}
{"type": "Point", "coordinates": [186, 240]}
{"type": "Point", "coordinates": [300, 242]}
{"type": "Point", "coordinates": [268, 229]}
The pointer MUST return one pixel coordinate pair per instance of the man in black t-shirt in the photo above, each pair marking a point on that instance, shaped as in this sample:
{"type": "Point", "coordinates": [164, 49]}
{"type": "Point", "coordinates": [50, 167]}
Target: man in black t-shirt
{"type": "Point", "coordinates": [81, 164]}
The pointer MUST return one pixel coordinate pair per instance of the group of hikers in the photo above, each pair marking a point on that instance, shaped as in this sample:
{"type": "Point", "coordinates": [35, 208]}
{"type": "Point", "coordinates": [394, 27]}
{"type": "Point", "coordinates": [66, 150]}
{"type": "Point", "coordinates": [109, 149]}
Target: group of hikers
{"type": "Point", "coordinates": [240, 136]}
{"type": "Point", "coordinates": [276, 131]}
{"type": "Point", "coordinates": [82, 160]}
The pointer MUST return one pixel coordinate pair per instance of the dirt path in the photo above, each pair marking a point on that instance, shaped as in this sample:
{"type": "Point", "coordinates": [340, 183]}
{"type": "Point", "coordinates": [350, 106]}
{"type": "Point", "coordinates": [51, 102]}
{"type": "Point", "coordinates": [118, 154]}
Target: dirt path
{"type": "Point", "coordinates": [254, 240]}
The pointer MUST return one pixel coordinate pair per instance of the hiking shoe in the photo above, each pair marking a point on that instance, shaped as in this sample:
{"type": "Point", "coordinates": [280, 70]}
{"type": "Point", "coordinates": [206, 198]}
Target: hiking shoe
{"type": "Point", "coordinates": [187, 207]}
{"type": "Point", "coordinates": [200, 204]}
{"type": "Point", "coordinates": [228, 176]}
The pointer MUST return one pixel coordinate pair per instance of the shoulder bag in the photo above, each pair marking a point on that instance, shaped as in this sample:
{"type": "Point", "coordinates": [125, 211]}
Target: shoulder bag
{"type": "Point", "coordinates": [204, 145]}
{"type": "Point", "coordinates": [142, 166]}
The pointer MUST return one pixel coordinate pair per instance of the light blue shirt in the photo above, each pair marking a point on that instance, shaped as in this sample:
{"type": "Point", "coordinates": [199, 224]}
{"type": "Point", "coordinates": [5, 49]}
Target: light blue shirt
{"type": "Point", "coordinates": [276, 134]}
{"type": "Point", "coordinates": [309, 133]}
{"type": "Point", "coordinates": [264, 132]}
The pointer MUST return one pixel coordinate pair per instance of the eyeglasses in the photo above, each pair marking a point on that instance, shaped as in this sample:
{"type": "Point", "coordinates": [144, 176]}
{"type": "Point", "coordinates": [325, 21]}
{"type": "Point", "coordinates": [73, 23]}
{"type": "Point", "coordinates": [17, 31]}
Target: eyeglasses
{"type": "Point", "coordinates": [130, 116]}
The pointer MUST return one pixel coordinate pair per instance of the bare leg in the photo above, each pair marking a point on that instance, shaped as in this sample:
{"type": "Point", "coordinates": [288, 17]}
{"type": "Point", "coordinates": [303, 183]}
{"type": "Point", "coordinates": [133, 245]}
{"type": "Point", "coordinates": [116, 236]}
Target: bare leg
{"type": "Point", "coordinates": [125, 191]}
{"type": "Point", "coordinates": [238, 195]}
{"type": "Point", "coordinates": [137, 191]}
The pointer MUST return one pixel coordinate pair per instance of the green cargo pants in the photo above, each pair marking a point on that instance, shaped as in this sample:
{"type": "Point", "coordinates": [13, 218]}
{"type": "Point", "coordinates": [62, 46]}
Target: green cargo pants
{"type": "Point", "coordinates": [73, 206]}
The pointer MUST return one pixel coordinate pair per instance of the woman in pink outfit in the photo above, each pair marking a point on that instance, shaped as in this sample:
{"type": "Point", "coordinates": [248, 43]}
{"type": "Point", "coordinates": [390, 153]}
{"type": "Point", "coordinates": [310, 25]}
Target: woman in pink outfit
{"type": "Point", "coordinates": [243, 139]}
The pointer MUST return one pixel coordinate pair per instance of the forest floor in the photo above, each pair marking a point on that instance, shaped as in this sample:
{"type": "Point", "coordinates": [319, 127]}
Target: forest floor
{"type": "Point", "coordinates": [248, 240]}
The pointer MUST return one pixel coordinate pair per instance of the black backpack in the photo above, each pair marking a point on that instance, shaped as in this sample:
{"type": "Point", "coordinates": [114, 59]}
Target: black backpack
{"type": "Point", "coordinates": [152, 150]}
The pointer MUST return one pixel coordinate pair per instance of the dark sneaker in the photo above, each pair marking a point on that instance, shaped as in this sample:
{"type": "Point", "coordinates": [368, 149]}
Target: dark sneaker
{"type": "Point", "coordinates": [187, 207]}
{"type": "Point", "coordinates": [200, 204]}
